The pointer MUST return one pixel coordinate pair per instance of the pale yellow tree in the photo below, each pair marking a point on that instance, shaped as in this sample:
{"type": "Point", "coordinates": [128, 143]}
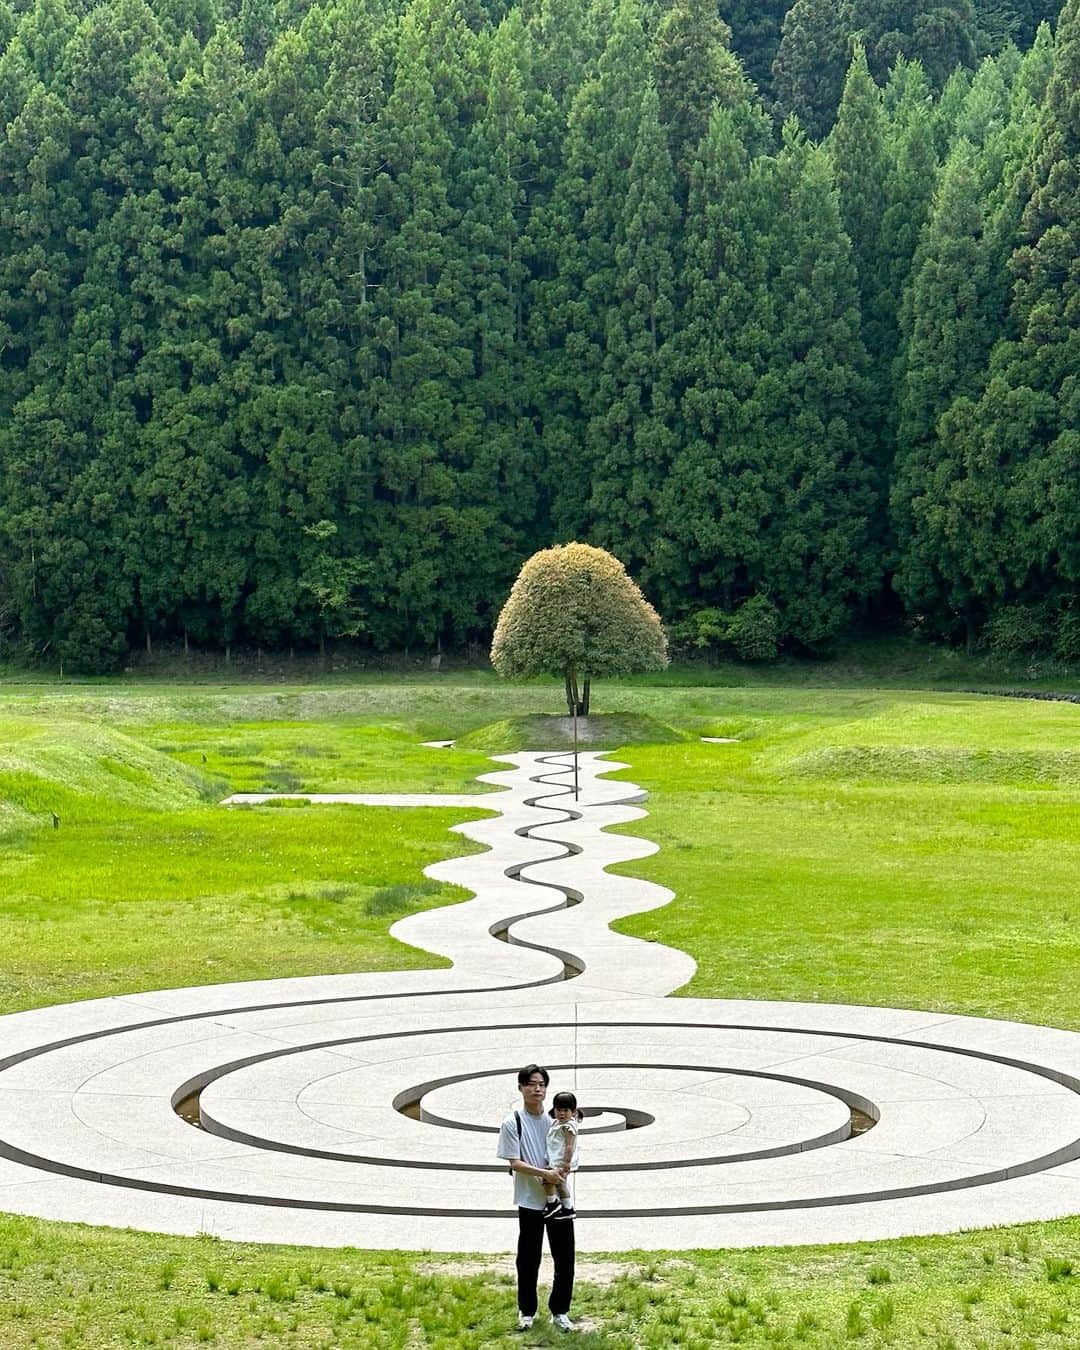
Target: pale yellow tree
{"type": "Point", "coordinates": [573, 612]}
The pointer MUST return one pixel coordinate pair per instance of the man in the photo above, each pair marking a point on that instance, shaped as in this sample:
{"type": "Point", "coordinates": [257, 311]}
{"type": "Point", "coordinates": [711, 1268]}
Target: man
{"type": "Point", "coordinates": [523, 1144]}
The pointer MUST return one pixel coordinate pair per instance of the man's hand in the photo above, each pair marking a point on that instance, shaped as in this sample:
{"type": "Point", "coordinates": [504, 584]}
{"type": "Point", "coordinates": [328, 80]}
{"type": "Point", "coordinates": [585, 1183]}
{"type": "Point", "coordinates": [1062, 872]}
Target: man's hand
{"type": "Point", "coordinates": [551, 1175]}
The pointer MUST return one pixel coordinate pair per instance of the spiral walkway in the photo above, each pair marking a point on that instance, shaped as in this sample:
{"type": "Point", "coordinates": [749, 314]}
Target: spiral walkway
{"type": "Point", "coordinates": [361, 1110]}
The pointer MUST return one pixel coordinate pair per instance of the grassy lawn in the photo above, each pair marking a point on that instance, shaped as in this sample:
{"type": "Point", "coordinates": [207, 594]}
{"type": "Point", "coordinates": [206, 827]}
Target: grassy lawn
{"type": "Point", "coordinates": [145, 882]}
{"type": "Point", "coordinates": [856, 844]}
{"type": "Point", "coordinates": [63, 1285]}
{"type": "Point", "coordinates": [913, 850]}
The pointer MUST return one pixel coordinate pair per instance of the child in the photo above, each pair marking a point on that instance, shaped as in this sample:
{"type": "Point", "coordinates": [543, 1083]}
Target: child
{"type": "Point", "coordinates": [562, 1149]}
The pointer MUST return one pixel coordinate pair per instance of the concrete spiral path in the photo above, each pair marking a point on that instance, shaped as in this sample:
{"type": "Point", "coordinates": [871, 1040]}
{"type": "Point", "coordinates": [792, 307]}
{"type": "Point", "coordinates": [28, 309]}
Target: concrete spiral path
{"type": "Point", "coordinates": [361, 1109]}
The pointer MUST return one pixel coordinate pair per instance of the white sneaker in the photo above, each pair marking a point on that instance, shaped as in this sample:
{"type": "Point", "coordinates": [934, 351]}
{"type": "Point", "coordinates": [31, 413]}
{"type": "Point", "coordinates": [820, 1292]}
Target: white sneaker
{"type": "Point", "coordinates": [524, 1322]}
{"type": "Point", "coordinates": [562, 1321]}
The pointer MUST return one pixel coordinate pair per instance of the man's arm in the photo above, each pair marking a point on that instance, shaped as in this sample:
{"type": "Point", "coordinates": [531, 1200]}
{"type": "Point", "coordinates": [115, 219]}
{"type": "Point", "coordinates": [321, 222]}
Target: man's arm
{"type": "Point", "coordinates": [509, 1148]}
{"type": "Point", "coordinates": [544, 1173]}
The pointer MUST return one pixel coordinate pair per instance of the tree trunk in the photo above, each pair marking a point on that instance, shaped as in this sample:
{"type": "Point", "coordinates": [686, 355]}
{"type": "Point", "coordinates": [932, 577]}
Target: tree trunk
{"type": "Point", "coordinates": [577, 699]}
{"type": "Point", "coordinates": [573, 698]}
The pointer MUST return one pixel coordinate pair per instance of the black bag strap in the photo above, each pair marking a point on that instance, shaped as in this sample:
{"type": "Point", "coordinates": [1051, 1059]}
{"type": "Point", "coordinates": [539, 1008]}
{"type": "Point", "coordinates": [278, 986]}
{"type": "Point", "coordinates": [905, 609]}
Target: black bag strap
{"type": "Point", "coordinates": [517, 1117]}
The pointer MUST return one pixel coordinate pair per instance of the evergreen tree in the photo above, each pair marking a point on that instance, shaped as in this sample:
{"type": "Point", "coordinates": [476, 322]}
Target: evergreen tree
{"type": "Point", "coordinates": [631, 437]}
{"type": "Point", "coordinates": [186, 19]}
{"type": "Point", "coordinates": [1036, 66]}
{"type": "Point", "coordinates": [693, 68]}
{"type": "Point", "coordinates": [497, 486]}
{"type": "Point", "coordinates": [972, 447]}
{"type": "Point", "coordinates": [948, 109]}
{"type": "Point", "coordinates": [709, 547]}
{"type": "Point", "coordinates": [755, 37]}
{"type": "Point", "coordinates": [257, 27]}
{"type": "Point", "coordinates": [575, 240]}
{"type": "Point", "coordinates": [909, 186]}
{"type": "Point", "coordinates": [191, 545]}
{"type": "Point", "coordinates": [33, 54]}
{"type": "Point", "coordinates": [1031, 14]}
{"type": "Point", "coordinates": [770, 493]}
{"type": "Point", "coordinates": [36, 280]}
{"type": "Point", "coordinates": [860, 166]}
{"type": "Point", "coordinates": [84, 412]}
{"type": "Point", "coordinates": [423, 444]}
{"type": "Point", "coordinates": [1021, 442]}
{"type": "Point", "coordinates": [808, 73]}
{"type": "Point", "coordinates": [315, 319]}
{"type": "Point", "coordinates": [821, 554]}
{"type": "Point", "coordinates": [8, 24]}
{"type": "Point", "coordinates": [937, 33]}
{"type": "Point", "coordinates": [567, 39]}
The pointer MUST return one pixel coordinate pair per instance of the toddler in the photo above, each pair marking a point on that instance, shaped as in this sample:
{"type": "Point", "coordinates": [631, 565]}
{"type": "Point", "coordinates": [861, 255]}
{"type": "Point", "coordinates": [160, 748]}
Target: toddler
{"type": "Point", "coordinates": [562, 1155]}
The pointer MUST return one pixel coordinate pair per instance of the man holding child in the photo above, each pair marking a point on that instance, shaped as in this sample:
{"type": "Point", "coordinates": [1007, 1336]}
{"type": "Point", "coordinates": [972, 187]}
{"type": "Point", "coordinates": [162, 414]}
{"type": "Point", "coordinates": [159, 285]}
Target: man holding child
{"type": "Point", "coordinates": [523, 1143]}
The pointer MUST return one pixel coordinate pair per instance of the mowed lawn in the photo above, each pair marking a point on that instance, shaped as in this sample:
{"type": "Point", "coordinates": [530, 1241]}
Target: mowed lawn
{"type": "Point", "coordinates": [910, 850]}
{"type": "Point", "coordinates": [851, 845]}
{"type": "Point", "coordinates": [120, 871]}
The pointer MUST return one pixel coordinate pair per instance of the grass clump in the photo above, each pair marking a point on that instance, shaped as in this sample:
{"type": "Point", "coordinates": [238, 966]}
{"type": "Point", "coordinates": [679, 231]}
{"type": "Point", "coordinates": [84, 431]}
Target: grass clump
{"type": "Point", "coordinates": [400, 899]}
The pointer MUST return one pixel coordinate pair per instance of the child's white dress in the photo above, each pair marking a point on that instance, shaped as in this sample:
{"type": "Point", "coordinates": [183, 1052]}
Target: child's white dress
{"type": "Point", "coordinates": [556, 1143]}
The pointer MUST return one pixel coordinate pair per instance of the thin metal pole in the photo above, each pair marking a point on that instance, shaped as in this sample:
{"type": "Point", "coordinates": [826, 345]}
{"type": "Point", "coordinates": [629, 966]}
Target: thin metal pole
{"type": "Point", "coordinates": [575, 749]}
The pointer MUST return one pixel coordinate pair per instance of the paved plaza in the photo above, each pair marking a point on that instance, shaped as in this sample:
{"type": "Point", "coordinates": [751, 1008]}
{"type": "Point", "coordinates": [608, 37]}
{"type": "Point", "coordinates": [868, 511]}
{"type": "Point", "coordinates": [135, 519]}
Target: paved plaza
{"type": "Point", "coordinates": [362, 1109]}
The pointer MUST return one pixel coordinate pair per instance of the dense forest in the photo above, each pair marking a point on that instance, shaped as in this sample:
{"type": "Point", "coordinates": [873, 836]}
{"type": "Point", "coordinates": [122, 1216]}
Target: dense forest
{"type": "Point", "coordinates": [316, 320]}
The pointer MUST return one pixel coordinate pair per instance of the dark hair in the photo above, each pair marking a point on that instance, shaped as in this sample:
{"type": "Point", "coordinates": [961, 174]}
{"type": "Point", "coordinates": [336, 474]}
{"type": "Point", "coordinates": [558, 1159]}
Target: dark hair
{"type": "Point", "coordinates": [527, 1072]}
{"type": "Point", "coordinates": [565, 1101]}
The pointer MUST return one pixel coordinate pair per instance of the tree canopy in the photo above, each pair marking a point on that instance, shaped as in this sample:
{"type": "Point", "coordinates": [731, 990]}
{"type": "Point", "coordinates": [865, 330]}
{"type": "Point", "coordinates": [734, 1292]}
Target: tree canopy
{"type": "Point", "coordinates": [573, 612]}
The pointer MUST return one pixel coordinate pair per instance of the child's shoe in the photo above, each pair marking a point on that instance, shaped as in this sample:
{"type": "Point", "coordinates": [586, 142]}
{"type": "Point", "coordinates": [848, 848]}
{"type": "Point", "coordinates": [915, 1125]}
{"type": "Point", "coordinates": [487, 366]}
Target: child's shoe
{"type": "Point", "coordinates": [566, 1211]}
{"type": "Point", "coordinates": [552, 1208]}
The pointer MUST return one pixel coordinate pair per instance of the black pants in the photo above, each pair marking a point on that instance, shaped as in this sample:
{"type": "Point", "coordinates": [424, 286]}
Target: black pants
{"type": "Point", "coordinates": [529, 1250]}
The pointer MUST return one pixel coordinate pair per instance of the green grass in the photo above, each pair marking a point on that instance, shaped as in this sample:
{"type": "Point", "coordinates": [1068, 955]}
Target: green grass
{"type": "Point", "coordinates": [336, 755]}
{"type": "Point", "coordinates": [63, 1285]}
{"type": "Point", "coordinates": [914, 850]}
{"type": "Point", "coordinates": [119, 871]}
{"type": "Point", "coordinates": [857, 844]}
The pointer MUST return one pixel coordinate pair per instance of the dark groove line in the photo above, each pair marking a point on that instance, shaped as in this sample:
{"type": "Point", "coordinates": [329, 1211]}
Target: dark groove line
{"type": "Point", "coordinates": [406, 1098]}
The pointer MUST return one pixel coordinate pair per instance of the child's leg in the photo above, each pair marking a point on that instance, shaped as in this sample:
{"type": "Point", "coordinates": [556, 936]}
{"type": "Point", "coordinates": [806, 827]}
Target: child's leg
{"type": "Point", "coordinates": [566, 1201]}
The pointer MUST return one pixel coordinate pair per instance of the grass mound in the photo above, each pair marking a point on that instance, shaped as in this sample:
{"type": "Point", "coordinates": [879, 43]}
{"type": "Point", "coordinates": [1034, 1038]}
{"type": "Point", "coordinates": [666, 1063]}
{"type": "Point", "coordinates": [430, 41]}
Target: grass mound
{"type": "Point", "coordinates": [601, 731]}
{"type": "Point", "coordinates": [937, 764]}
{"type": "Point", "coordinates": [77, 770]}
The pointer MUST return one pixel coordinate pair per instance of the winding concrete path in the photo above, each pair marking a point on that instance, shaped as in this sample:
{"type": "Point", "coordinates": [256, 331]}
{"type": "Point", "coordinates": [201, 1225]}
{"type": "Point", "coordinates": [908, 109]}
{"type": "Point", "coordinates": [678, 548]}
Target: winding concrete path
{"type": "Point", "coordinates": [360, 1110]}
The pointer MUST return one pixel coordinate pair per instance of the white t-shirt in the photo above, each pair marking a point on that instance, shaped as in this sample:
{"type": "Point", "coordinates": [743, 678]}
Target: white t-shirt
{"type": "Point", "coordinates": [532, 1149]}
